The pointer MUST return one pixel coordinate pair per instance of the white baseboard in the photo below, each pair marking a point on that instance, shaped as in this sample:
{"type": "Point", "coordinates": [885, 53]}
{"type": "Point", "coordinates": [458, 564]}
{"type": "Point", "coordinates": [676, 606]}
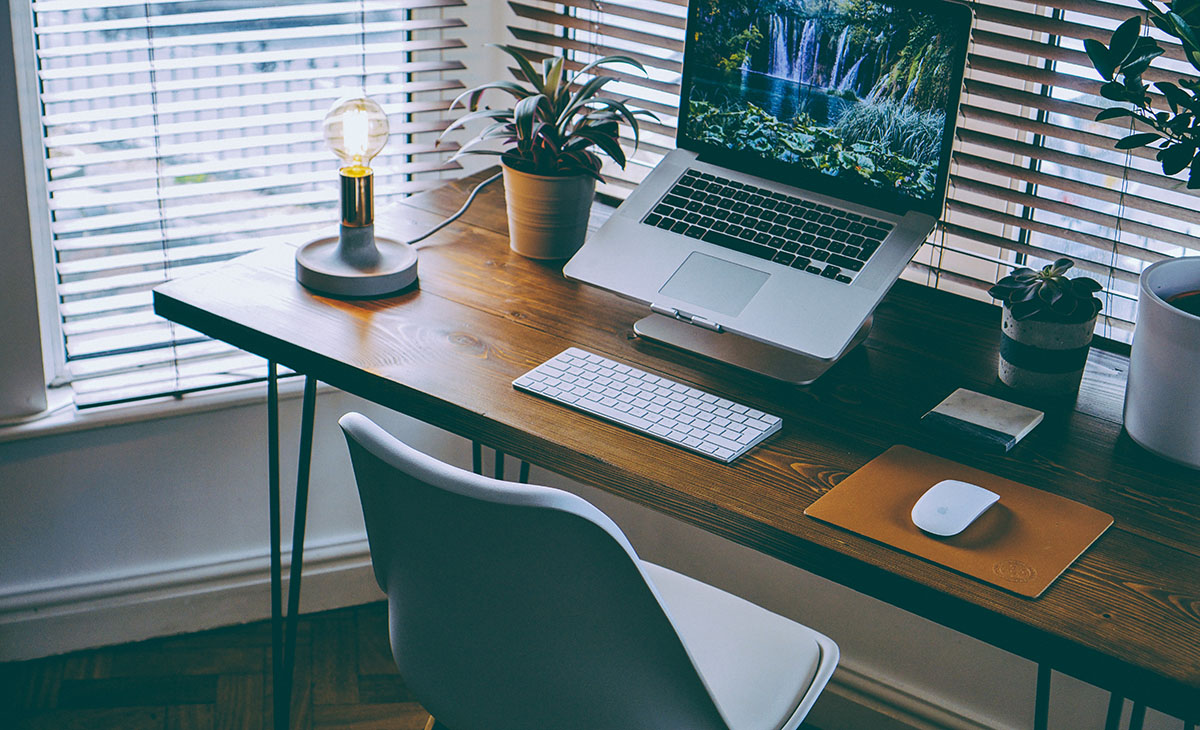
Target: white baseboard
{"type": "Point", "coordinates": [853, 700]}
{"type": "Point", "coordinates": [61, 619]}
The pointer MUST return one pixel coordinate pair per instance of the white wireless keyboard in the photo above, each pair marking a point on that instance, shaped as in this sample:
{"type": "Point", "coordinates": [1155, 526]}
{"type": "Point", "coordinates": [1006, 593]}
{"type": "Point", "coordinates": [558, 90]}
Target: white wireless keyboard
{"type": "Point", "coordinates": [649, 404]}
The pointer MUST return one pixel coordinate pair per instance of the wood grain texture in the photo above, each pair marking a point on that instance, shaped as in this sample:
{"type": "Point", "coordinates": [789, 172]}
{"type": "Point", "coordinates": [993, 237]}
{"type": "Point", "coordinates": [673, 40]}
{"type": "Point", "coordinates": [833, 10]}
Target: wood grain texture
{"type": "Point", "coordinates": [1126, 615]}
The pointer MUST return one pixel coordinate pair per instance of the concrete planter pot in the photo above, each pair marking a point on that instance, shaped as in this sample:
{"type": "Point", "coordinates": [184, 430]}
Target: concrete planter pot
{"type": "Point", "coordinates": [547, 216]}
{"type": "Point", "coordinates": [1162, 396]}
{"type": "Point", "coordinates": [1044, 358]}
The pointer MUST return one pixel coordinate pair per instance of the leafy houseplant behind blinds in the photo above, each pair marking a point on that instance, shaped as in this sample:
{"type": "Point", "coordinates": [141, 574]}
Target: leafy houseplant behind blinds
{"type": "Point", "coordinates": [181, 134]}
{"type": "Point", "coordinates": [1035, 176]}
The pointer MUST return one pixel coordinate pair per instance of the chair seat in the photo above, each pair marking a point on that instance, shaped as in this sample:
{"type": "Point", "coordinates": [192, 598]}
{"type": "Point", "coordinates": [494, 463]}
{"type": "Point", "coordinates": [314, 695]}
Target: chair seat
{"type": "Point", "coordinates": [758, 665]}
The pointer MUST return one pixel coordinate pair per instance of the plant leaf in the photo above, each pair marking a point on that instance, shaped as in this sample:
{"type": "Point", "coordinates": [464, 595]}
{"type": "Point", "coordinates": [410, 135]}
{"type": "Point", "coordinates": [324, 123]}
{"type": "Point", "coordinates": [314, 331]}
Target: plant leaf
{"type": "Point", "coordinates": [510, 87]}
{"type": "Point", "coordinates": [1114, 113]}
{"type": "Point", "coordinates": [1176, 158]}
{"type": "Point", "coordinates": [1176, 96]}
{"type": "Point", "coordinates": [619, 108]}
{"type": "Point", "coordinates": [525, 114]}
{"type": "Point", "coordinates": [1114, 91]}
{"type": "Point", "coordinates": [613, 59]}
{"type": "Point", "coordinates": [553, 73]}
{"type": "Point", "coordinates": [501, 114]}
{"type": "Point", "coordinates": [1025, 310]}
{"type": "Point", "coordinates": [1183, 31]}
{"type": "Point", "coordinates": [1049, 291]}
{"type": "Point", "coordinates": [1098, 53]}
{"type": "Point", "coordinates": [1123, 40]}
{"type": "Point", "coordinates": [1139, 60]}
{"type": "Point", "coordinates": [606, 142]}
{"type": "Point", "coordinates": [1137, 140]}
{"type": "Point", "coordinates": [526, 68]}
{"type": "Point", "coordinates": [584, 94]}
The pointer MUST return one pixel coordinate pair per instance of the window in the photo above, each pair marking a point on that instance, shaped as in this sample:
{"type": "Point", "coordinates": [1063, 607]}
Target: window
{"type": "Point", "coordinates": [181, 133]}
{"type": "Point", "coordinates": [1034, 176]}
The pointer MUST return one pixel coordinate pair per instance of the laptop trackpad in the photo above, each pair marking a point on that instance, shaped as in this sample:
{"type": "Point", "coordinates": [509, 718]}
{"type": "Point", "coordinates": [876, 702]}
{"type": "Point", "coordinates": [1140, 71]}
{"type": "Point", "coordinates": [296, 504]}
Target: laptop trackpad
{"type": "Point", "coordinates": [714, 284]}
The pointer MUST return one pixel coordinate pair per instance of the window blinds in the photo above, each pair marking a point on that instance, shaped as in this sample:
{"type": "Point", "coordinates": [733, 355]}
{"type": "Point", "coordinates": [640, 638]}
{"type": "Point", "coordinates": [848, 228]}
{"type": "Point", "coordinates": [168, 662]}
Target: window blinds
{"type": "Point", "coordinates": [1034, 176]}
{"type": "Point", "coordinates": [179, 134]}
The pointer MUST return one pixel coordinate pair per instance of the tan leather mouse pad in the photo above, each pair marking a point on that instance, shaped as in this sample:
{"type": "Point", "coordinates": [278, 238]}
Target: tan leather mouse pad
{"type": "Point", "coordinates": [1022, 543]}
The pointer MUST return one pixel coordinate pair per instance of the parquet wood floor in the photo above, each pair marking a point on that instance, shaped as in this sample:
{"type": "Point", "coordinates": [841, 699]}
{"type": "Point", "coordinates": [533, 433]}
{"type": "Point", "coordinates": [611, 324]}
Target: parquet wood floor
{"type": "Point", "coordinates": [345, 678]}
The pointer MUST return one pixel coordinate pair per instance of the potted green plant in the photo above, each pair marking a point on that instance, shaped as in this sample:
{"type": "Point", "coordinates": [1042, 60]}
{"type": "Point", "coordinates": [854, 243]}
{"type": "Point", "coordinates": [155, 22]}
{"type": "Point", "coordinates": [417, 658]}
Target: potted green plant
{"type": "Point", "coordinates": [1046, 328]}
{"type": "Point", "coordinates": [1162, 399]}
{"type": "Point", "coordinates": [548, 142]}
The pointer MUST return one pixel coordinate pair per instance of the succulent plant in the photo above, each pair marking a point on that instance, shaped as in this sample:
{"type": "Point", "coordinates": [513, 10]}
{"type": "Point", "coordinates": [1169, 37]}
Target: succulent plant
{"type": "Point", "coordinates": [556, 120]}
{"type": "Point", "coordinates": [1048, 294]}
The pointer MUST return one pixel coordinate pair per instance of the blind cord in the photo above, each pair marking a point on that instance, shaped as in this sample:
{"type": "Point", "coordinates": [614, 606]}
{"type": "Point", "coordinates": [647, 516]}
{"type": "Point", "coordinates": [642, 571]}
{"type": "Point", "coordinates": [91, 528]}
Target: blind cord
{"type": "Point", "coordinates": [158, 182]}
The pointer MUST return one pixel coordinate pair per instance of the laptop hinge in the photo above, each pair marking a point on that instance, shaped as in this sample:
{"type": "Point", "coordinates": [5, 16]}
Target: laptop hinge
{"type": "Point", "coordinates": [695, 319]}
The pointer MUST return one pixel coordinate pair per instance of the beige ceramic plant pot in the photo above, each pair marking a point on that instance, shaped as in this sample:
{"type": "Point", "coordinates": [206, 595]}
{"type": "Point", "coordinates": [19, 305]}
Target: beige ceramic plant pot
{"type": "Point", "coordinates": [1044, 358]}
{"type": "Point", "coordinates": [547, 216]}
{"type": "Point", "coordinates": [1162, 396]}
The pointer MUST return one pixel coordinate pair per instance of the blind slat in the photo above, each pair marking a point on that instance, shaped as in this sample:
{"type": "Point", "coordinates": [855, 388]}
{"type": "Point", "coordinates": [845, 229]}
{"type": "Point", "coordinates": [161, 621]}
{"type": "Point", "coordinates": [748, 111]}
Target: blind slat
{"type": "Point", "coordinates": [181, 134]}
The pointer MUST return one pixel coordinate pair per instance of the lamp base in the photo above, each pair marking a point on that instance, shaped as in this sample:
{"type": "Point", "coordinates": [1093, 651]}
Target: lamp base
{"type": "Point", "coordinates": [330, 266]}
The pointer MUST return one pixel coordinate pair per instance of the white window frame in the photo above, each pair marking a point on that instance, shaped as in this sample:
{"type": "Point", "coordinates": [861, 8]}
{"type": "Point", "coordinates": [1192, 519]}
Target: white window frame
{"type": "Point", "coordinates": [31, 271]}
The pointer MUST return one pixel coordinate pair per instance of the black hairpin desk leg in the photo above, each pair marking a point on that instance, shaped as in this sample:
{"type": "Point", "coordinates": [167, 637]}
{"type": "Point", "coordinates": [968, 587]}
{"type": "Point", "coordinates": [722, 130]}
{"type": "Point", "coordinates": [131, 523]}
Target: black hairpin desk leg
{"type": "Point", "coordinates": [283, 656]}
{"type": "Point", "coordinates": [477, 463]}
{"type": "Point", "coordinates": [1041, 702]}
{"type": "Point", "coordinates": [281, 704]}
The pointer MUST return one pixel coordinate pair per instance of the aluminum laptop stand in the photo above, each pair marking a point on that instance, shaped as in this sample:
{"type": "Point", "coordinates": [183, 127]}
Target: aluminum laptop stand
{"type": "Point", "coordinates": [742, 352]}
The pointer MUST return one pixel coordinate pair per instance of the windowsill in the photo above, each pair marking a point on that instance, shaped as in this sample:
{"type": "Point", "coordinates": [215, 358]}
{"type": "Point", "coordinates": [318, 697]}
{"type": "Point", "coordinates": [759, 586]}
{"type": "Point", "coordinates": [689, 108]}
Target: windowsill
{"type": "Point", "coordinates": [69, 419]}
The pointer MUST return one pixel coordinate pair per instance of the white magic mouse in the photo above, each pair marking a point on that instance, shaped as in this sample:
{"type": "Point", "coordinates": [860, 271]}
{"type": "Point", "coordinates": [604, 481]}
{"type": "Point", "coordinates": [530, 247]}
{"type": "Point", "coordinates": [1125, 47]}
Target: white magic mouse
{"type": "Point", "coordinates": [950, 506]}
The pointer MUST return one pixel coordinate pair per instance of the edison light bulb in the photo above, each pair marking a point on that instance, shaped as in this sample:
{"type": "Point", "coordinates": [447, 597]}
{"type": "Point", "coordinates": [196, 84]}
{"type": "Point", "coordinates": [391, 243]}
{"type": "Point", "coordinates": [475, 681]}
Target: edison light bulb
{"type": "Point", "coordinates": [356, 129]}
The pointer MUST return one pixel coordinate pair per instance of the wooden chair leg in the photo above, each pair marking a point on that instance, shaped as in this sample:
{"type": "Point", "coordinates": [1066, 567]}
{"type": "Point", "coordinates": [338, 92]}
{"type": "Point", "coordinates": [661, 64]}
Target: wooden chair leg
{"type": "Point", "coordinates": [433, 724]}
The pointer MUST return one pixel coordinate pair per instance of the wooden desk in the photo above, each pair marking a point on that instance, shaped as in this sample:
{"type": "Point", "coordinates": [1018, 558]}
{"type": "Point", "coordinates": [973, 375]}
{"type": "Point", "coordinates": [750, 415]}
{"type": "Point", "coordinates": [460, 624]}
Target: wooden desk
{"type": "Point", "coordinates": [1125, 617]}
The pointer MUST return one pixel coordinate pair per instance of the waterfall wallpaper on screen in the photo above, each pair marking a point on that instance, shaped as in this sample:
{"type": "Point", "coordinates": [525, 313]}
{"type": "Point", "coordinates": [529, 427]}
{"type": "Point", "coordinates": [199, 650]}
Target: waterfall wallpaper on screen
{"type": "Point", "coordinates": [847, 87]}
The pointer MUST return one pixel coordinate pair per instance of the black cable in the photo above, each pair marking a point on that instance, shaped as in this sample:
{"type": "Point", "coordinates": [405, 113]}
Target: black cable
{"type": "Point", "coordinates": [458, 213]}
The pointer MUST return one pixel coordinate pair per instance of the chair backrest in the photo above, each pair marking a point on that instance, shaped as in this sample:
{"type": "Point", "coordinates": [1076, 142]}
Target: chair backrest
{"type": "Point", "coordinates": [516, 606]}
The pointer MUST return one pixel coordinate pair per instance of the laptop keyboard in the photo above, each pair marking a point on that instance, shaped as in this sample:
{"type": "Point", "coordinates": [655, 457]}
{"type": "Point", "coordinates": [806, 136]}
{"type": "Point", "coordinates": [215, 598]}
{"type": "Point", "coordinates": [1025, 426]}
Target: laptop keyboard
{"type": "Point", "coordinates": [812, 237]}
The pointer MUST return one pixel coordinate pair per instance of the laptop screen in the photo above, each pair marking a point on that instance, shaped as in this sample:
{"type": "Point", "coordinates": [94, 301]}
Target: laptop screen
{"type": "Point", "coordinates": [854, 98]}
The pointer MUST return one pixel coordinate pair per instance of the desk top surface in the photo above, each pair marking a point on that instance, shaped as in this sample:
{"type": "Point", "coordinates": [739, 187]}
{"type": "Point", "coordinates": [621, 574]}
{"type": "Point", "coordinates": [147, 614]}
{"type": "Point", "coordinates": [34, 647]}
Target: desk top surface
{"type": "Point", "coordinates": [1126, 615]}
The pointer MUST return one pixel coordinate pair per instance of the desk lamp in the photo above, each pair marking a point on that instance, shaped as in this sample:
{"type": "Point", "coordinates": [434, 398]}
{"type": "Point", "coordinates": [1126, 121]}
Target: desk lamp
{"type": "Point", "coordinates": [356, 262]}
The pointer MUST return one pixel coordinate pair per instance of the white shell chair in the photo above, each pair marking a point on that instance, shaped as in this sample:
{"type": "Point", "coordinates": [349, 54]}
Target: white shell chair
{"type": "Point", "coordinates": [525, 607]}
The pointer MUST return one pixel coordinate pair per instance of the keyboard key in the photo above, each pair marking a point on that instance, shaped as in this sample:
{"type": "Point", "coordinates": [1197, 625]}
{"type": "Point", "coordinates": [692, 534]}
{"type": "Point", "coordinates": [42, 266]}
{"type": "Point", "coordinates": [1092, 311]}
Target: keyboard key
{"type": "Point", "coordinates": [653, 219]}
{"type": "Point", "coordinates": [737, 244]}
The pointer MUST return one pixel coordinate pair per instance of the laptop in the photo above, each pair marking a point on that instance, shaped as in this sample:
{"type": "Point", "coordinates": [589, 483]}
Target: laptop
{"type": "Point", "coordinates": [813, 150]}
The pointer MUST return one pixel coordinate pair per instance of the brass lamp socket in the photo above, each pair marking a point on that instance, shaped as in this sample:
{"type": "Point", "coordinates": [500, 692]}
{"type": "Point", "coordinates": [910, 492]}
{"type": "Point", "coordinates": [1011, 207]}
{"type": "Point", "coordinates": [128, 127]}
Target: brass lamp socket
{"type": "Point", "coordinates": [357, 196]}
